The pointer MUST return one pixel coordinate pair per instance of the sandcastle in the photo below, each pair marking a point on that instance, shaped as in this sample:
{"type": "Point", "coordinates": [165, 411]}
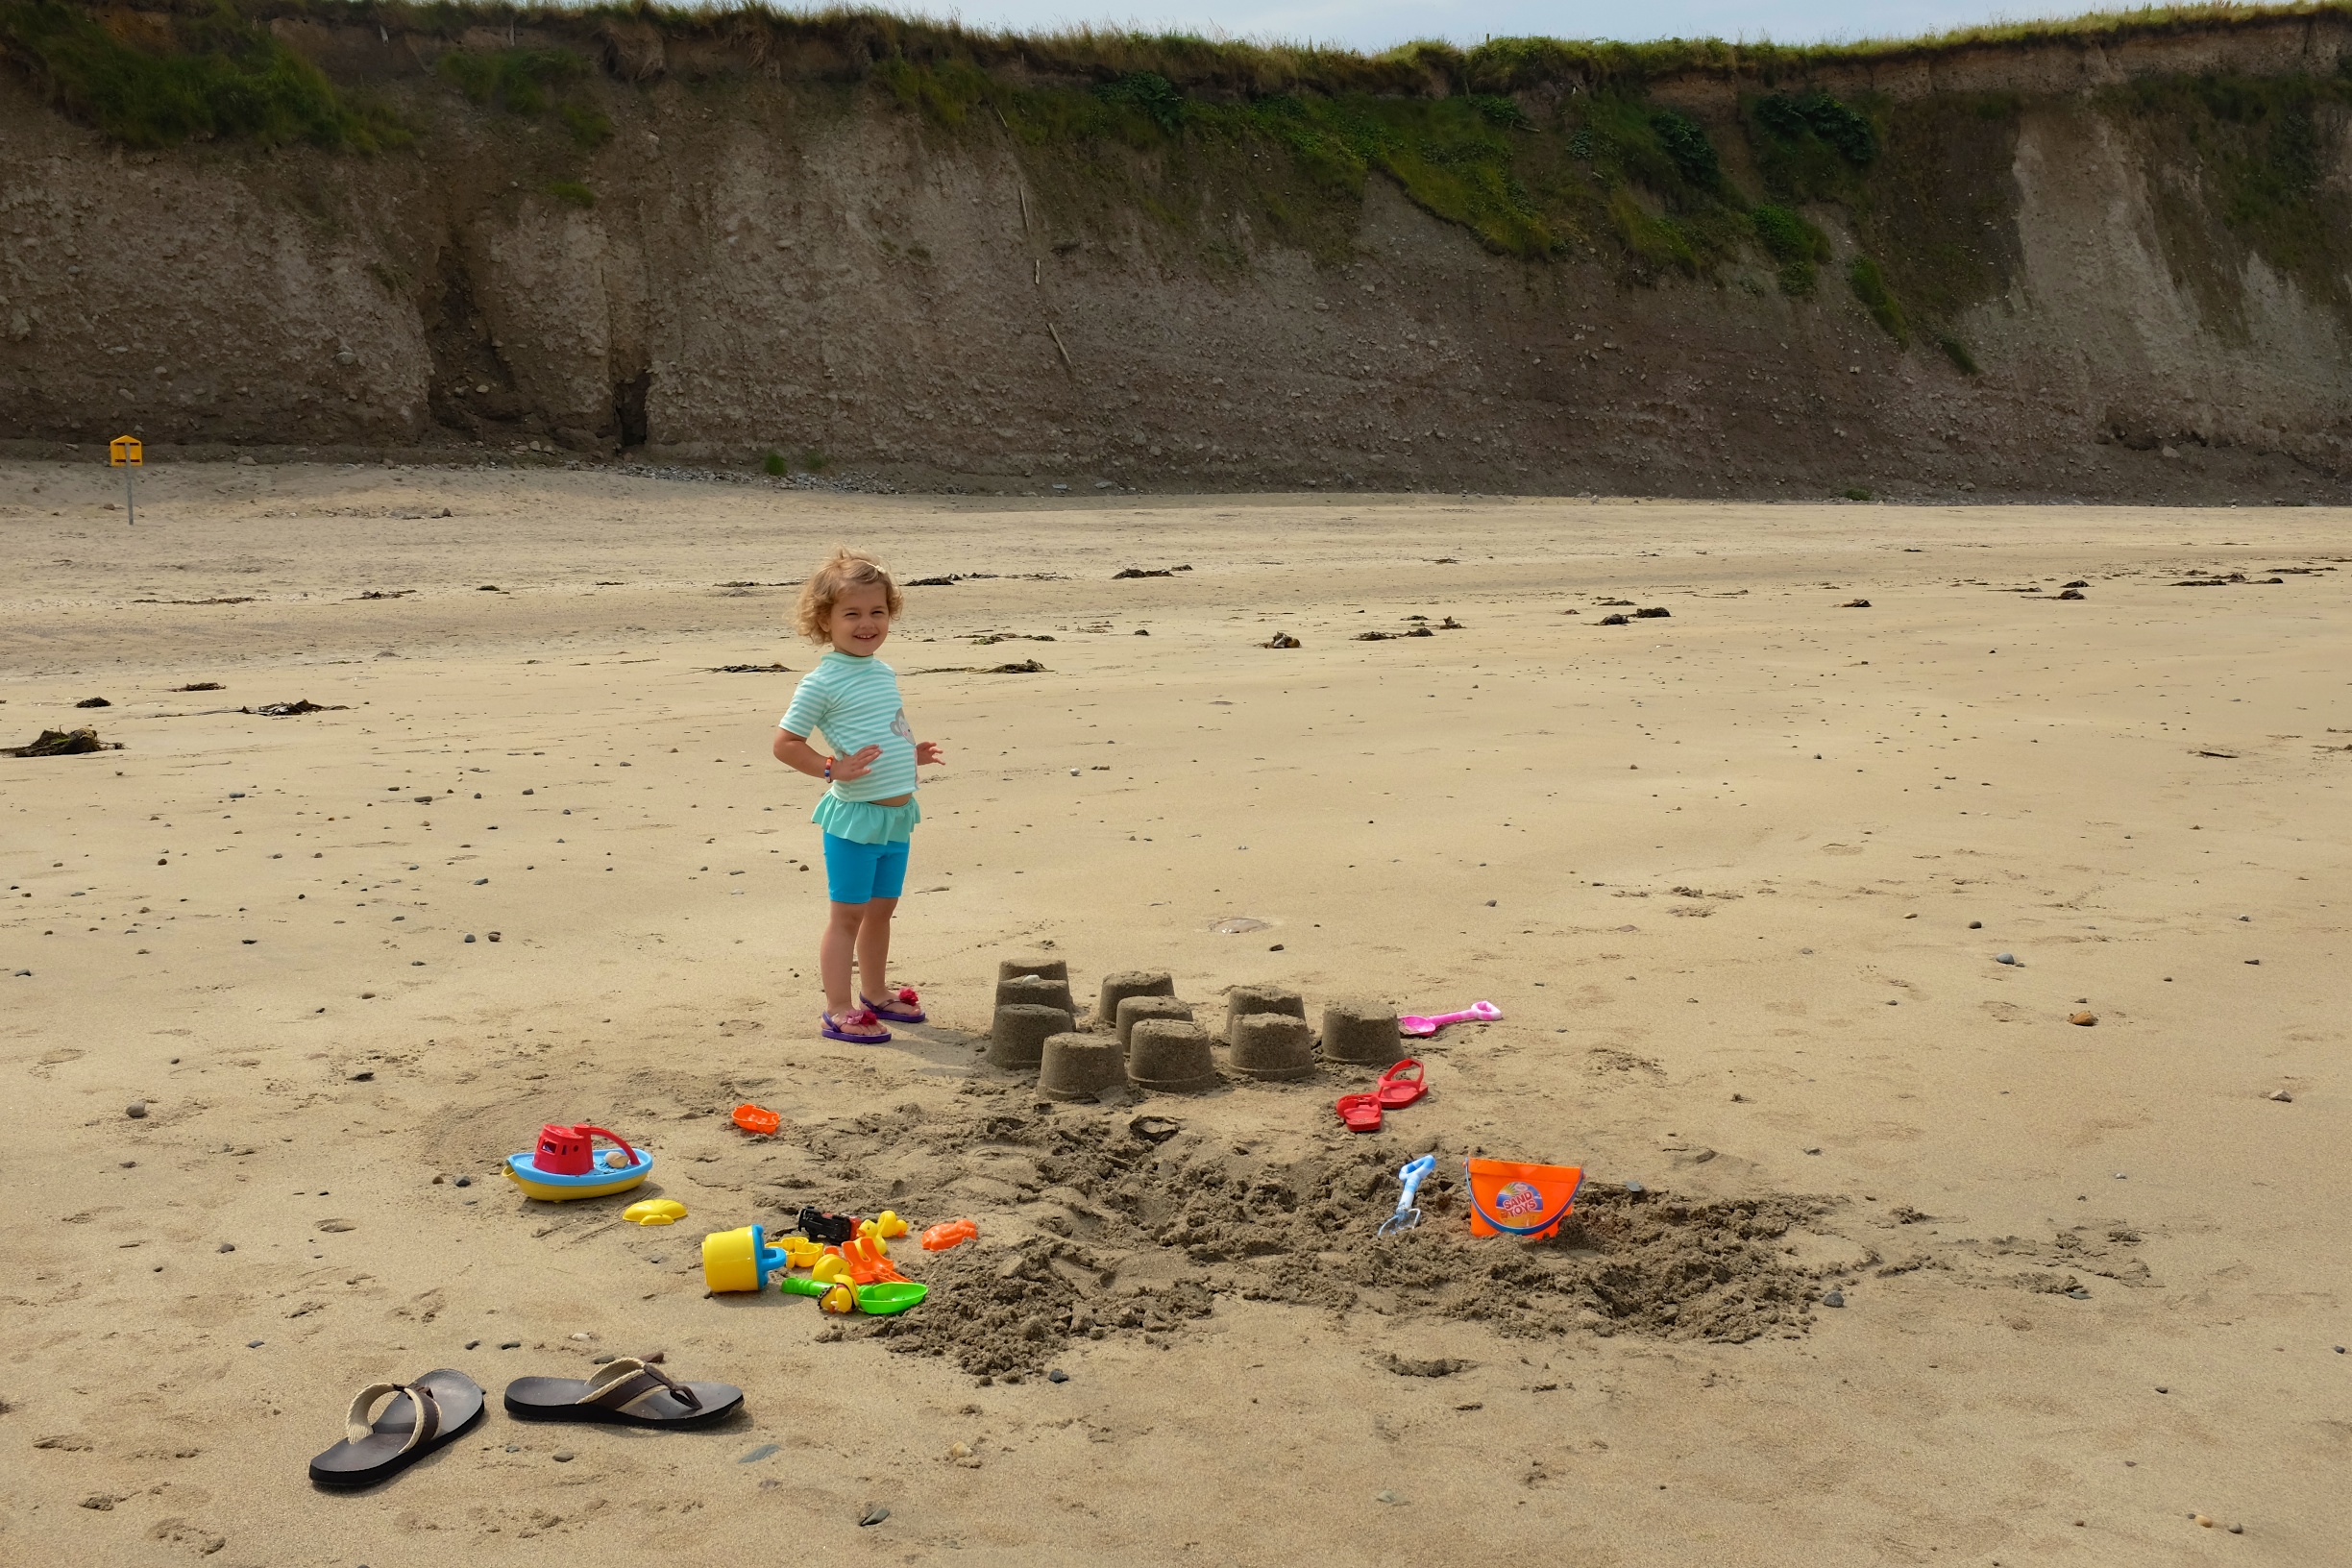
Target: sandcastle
{"type": "Point", "coordinates": [1041, 989]}
{"type": "Point", "coordinates": [1017, 1039]}
{"type": "Point", "coordinates": [1361, 1032]}
{"type": "Point", "coordinates": [1117, 988]}
{"type": "Point", "coordinates": [1134, 1009]}
{"type": "Point", "coordinates": [1271, 1045]}
{"type": "Point", "coordinates": [1244, 1000]}
{"type": "Point", "coordinates": [1081, 1067]}
{"type": "Point", "coordinates": [1170, 1055]}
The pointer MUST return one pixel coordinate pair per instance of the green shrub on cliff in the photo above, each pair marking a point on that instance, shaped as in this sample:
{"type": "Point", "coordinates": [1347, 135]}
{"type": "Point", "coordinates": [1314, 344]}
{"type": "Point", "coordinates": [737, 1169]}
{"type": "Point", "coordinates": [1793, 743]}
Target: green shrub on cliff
{"type": "Point", "coordinates": [186, 80]}
{"type": "Point", "coordinates": [1793, 243]}
{"type": "Point", "coordinates": [519, 81]}
{"type": "Point", "coordinates": [1869, 286]}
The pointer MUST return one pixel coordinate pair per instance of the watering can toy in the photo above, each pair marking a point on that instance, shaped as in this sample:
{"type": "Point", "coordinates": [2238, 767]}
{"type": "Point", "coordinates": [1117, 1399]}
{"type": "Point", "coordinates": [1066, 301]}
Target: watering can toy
{"type": "Point", "coordinates": [740, 1260]}
{"type": "Point", "coordinates": [565, 1164]}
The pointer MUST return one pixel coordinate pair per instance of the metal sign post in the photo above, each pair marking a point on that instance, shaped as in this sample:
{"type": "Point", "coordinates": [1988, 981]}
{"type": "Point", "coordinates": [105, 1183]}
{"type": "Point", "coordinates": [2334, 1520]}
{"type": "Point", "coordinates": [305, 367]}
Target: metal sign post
{"type": "Point", "coordinates": [126, 453]}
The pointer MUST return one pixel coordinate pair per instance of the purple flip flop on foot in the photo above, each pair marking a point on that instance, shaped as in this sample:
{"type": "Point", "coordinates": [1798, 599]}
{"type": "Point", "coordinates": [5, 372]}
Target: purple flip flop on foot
{"type": "Point", "coordinates": [903, 1007]}
{"type": "Point", "coordinates": [838, 1028]}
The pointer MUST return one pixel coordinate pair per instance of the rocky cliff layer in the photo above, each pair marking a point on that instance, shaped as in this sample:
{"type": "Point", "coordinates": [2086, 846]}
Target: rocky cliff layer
{"type": "Point", "coordinates": [2108, 266]}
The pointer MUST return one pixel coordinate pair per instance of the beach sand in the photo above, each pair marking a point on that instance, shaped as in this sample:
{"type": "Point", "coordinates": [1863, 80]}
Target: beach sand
{"type": "Point", "coordinates": [1722, 870]}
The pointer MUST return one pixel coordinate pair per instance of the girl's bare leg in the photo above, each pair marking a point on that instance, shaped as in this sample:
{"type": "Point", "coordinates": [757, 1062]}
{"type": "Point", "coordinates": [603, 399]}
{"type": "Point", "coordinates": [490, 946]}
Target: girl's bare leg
{"type": "Point", "coordinates": [874, 950]}
{"type": "Point", "coordinates": [843, 926]}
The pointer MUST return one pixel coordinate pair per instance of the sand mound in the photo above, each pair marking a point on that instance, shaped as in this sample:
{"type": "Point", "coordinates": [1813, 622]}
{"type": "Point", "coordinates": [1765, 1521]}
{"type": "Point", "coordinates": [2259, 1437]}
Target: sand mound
{"type": "Point", "coordinates": [1120, 1228]}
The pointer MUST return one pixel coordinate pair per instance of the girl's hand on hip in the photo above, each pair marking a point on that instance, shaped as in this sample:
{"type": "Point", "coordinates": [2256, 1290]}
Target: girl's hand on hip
{"type": "Point", "coordinates": [857, 765]}
{"type": "Point", "coordinates": [927, 753]}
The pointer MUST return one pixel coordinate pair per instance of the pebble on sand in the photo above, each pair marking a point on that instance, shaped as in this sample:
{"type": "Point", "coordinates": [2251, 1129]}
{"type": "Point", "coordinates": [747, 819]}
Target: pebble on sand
{"type": "Point", "coordinates": [1835, 1298]}
{"type": "Point", "coordinates": [2004, 958]}
{"type": "Point", "coordinates": [2280, 1096]}
{"type": "Point", "coordinates": [1975, 925]}
{"type": "Point", "coordinates": [136, 1110]}
{"type": "Point", "coordinates": [2085, 1020]}
{"type": "Point", "coordinates": [873, 1513]}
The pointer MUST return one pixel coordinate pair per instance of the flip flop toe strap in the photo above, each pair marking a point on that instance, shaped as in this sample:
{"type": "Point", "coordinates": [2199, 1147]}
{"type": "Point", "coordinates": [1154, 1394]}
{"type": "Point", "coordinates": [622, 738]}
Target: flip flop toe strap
{"type": "Point", "coordinates": [360, 1423]}
{"type": "Point", "coordinates": [625, 1382]}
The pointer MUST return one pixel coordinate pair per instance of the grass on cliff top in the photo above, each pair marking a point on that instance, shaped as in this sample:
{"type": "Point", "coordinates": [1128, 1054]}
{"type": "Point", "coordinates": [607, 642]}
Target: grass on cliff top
{"type": "Point", "coordinates": [1251, 69]}
{"type": "Point", "coordinates": [180, 79]}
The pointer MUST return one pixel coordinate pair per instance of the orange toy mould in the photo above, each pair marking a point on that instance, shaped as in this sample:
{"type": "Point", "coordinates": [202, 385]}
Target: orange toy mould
{"type": "Point", "coordinates": [753, 1120]}
{"type": "Point", "coordinates": [953, 1234]}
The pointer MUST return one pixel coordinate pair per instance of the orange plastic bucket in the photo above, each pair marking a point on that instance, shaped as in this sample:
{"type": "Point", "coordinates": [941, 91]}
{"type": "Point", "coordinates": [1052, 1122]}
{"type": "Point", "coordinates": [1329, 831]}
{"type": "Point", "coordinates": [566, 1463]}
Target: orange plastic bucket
{"type": "Point", "coordinates": [1511, 1199]}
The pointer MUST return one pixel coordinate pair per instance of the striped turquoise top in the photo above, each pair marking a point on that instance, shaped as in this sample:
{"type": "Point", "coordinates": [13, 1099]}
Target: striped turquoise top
{"type": "Point", "coordinates": [855, 702]}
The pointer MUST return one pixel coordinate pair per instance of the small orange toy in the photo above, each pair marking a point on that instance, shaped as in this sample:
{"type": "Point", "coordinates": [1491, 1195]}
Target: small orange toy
{"type": "Point", "coordinates": [753, 1120]}
{"type": "Point", "coordinates": [869, 1263]}
{"type": "Point", "coordinates": [953, 1234]}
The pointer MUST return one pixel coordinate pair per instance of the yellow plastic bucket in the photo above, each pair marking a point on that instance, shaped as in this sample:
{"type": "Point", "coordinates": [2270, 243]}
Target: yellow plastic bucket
{"type": "Point", "coordinates": [739, 1259]}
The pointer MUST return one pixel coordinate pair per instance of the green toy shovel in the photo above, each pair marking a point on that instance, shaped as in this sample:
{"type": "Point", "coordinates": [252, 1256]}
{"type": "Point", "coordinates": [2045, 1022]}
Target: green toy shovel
{"type": "Point", "coordinates": [879, 1300]}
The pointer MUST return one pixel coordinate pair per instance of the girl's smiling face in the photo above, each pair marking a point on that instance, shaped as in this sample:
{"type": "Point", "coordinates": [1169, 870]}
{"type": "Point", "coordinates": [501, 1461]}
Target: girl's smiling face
{"type": "Point", "coordinates": [861, 620]}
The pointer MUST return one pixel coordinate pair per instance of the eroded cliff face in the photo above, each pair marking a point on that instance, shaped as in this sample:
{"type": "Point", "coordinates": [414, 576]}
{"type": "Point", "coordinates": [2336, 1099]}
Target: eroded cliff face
{"type": "Point", "coordinates": [751, 261]}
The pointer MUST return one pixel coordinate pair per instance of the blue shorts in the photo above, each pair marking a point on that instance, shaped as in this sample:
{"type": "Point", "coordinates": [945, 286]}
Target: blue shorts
{"type": "Point", "coordinates": [857, 873]}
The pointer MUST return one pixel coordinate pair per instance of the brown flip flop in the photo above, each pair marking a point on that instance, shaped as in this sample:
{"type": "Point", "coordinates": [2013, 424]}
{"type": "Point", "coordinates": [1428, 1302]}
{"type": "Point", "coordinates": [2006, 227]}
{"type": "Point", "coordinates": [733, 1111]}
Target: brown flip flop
{"type": "Point", "coordinates": [627, 1391]}
{"type": "Point", "coordinates": [393, 1425]}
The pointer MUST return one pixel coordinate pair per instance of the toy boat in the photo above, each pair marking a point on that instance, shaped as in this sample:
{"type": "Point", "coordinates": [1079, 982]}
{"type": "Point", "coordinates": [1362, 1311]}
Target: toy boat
{"type": "Point", "coordinates": [564, 1167]}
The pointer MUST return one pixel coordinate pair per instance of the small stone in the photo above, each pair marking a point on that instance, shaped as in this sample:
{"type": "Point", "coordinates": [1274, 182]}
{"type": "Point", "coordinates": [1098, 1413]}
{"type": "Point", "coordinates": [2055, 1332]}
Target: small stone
{"type": "Point", "coordinates": [562, 1456]}
{"type": "Point", "coordinates": [363, 1077]}
{"type": "Point", "coordinates": [473, 1345]}
{"type": "Point", "coordinates": [2282, 1096]}
{"type": "Point", "coordinates": [1276, 948]}
{"type": "Point", "coordinates": [2237, 1530]}
{"type": "Point", "coordinates": [514, 1447]}
{"type": "Point", "coordinates": [136, 1110]}
{"type": "Point", "coordinates": [511, 1344]}
{"type": "Point", "coordinates": [2004, 958]}
{"type": "Point", "coordinates": [1635, 1187]}
{"type": "Point", "coordinates": [2203, 1521]}
{"type": "Point", "coordinates": [254, 1345]}
{"type": "Point", "coordinates": [1975, 925]}
{"type": "Point", "coordinates": [469, 936]}
{"type": "Point", "coordinates": [99, 1501]}
{"type": "Point", "coordinates": [2085, 1020]}
{"type": "Point", "coordinates": [1388, 1497]}
{"type": "Point", "coordinates": [1057, 1375]}
{"type": "Point", "coordinates": [2078, 1294]}
{"type": "Point", "coordinates": [463, 1180]}
{"type": "Point", "coordinates": [1835, 1298]}
{"type": "Point", "coordinates": [873, 1513]}
{"type": "Point", "coordinates": [760, 1452]}
{"type": "Point", "coordinates": [225, 1246]}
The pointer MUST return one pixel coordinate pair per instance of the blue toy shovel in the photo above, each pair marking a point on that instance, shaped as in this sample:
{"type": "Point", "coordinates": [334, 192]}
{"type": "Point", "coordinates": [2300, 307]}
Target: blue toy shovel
{"type": "Point", "coordinates": [1407, 1216]}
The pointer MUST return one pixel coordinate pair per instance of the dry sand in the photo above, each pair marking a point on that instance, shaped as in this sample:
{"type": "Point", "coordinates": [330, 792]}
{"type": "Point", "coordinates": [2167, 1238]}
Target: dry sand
{"type": "Point", "coordinates": [1719, 869]}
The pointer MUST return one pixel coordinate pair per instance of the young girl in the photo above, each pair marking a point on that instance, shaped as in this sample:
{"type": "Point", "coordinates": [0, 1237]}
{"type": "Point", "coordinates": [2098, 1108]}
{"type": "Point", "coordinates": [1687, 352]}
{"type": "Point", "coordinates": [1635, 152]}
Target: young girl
{"type": "Point", "coordinates": [868, 814]}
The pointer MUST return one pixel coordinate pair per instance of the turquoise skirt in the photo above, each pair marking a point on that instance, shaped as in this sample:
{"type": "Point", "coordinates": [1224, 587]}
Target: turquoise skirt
{"type": "Point", "coordinates": [863, 822]}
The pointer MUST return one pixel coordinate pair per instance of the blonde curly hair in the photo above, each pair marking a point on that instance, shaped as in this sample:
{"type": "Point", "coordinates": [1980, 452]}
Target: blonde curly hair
{"type": "Point", "coordinates": [844, 568]}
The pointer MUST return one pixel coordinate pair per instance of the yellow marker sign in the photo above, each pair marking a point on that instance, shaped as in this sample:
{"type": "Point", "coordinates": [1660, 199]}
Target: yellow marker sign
{"type": "Point", "coordinates": [126, 451]}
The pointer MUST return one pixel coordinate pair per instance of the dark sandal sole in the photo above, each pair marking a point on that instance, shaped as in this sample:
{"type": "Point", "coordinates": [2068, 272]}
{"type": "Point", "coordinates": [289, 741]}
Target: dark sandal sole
{"type": "Point", "coordinates": [356, 1481]}
{"type": "Point", "coordinates": [590, 1414]}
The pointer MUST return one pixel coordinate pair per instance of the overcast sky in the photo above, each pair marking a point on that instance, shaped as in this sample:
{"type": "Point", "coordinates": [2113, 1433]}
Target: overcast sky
{"type": "Point", "coordinates": [1373, 25]}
